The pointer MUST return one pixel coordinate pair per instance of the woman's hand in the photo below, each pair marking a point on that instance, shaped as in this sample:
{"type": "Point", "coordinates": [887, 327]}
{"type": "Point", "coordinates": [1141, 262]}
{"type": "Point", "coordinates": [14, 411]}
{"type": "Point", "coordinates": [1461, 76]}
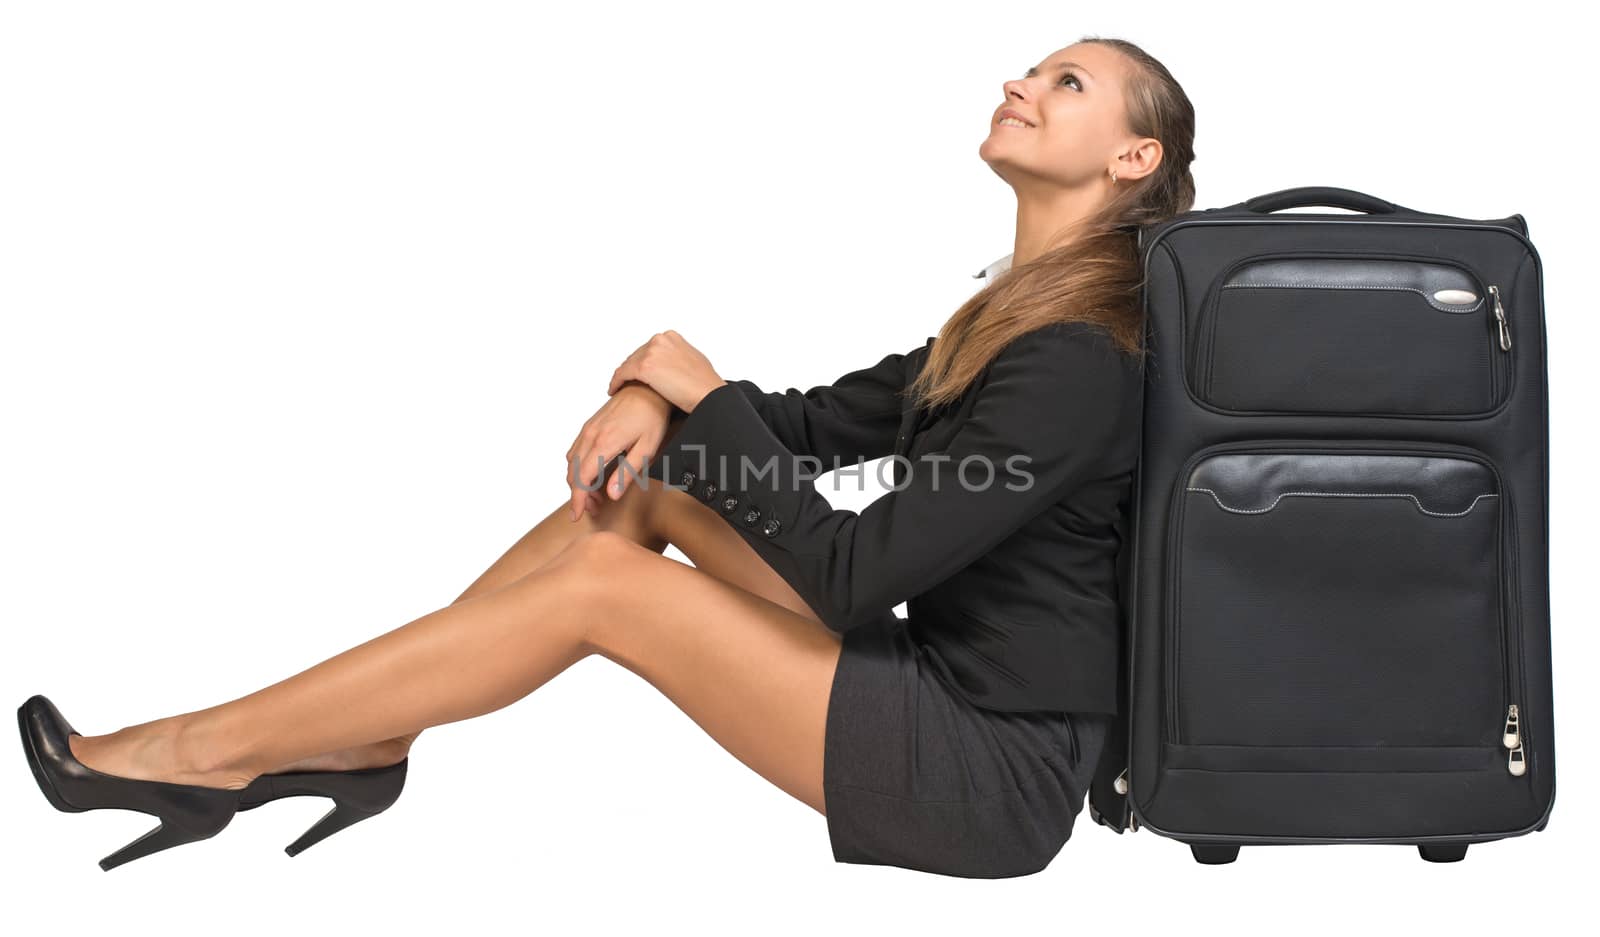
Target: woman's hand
{"type": "Point", "coordinates": [673, 367]}
{"type": "Point", "coordinates": [632, 424]}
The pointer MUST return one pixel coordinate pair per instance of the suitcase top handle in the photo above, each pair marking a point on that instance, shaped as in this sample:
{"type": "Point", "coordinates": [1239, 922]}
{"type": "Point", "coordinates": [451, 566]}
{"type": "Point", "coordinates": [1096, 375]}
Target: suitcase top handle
{"type": "Point", "coordinates": [1318, 195]}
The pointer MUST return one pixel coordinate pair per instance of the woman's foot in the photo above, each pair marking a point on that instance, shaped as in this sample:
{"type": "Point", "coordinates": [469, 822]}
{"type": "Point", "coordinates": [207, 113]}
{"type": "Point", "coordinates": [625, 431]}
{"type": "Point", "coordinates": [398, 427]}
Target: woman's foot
{"type": "Point", "coordinates": [150, 751]}
{"type": "Point", "coordinates": [153, 751]}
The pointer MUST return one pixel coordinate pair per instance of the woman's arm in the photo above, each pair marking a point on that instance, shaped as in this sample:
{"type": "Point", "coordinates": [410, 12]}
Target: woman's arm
{"type": "Point", "coordinates": [1041, 425]}
{"type": "Point", "coordinates": [854, 418]}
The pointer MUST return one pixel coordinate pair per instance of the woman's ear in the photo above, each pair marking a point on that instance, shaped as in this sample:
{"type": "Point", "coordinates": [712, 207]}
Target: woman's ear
{"type": "Point", "coordinates": [1139, 160]}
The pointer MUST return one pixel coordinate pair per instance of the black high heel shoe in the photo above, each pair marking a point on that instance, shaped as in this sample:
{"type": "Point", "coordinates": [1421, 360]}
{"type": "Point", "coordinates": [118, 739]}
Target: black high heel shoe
{"type": "Point", "coordinates": [357, 795]}
{"type": "Point", "coordinates": [188, 812]}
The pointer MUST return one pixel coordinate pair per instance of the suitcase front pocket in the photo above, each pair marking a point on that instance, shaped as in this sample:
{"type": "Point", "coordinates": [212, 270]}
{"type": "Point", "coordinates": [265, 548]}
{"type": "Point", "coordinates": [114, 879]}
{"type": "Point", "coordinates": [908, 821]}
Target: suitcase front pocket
{"type": "Point", "coordinates": [1336, 607]}
{"type": "Point", "coordinates": [1351, 334]}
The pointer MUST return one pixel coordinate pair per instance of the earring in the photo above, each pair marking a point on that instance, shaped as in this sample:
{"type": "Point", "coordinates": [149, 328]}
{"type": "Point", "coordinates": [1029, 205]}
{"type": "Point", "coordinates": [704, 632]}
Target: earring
{"type": "Point", "coordinates": [1113, 177]}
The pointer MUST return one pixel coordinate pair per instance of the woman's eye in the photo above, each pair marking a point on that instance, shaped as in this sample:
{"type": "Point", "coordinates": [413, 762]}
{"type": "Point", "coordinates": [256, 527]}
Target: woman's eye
{"type": "Point", "coordinates": [1068, 76]}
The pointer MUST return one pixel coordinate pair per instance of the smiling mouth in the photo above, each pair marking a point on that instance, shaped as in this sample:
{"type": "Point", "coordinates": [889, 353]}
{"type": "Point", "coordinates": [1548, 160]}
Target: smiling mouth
{"type": "Point", "coordinates": [1013, 122]}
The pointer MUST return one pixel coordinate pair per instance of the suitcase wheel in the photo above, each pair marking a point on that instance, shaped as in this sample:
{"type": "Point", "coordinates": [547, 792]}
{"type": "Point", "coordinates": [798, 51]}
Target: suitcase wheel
{"type": "Point", "coordinates": [1214, 853]}
{"type": "Point", "coordinates": [1224, 853]}
{"type": "Point", "coordinates": [1443, 852]}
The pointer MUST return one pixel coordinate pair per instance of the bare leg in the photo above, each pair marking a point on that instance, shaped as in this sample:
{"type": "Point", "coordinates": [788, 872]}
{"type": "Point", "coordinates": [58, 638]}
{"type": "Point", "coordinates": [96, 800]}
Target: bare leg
{"type": "Point", "coordinates": [652, 517]}
{"type": "Point", "coordinates": [753, 674]}
{"type": "Point", "coordinates": [630, 517]}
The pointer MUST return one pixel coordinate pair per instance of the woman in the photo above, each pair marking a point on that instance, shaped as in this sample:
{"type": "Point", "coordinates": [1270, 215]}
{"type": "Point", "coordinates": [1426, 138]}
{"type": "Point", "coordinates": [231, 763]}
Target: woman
{"type": "Point", "coordinates": [958, 740]}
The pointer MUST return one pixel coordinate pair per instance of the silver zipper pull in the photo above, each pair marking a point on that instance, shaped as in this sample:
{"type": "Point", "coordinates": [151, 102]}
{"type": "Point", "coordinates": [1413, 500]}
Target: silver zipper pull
{"type": "Point", "coordinates": [1120, 785]}
{"type": "Point", "coordinates": [1516, 762]}
{"type": "Point", "coordinates": [1513, 733]}
{"type": "Point", "coordinates": [1500, 319]}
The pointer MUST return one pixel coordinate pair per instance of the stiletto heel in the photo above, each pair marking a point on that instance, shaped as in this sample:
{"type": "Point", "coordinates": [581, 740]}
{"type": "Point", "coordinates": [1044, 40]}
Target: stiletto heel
{"type": "Point", "coordinates": [357, 795]}
{"type": "Point", "coordinates": [341, 816]}
{"type": "Point", "coordinates": [188, 812]}
{"type": "Point", "coordinates": [162, 837]}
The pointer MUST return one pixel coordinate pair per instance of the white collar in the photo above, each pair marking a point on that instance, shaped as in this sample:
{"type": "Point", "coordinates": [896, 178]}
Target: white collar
{"type": "Point", "coordinates": [994, 269]}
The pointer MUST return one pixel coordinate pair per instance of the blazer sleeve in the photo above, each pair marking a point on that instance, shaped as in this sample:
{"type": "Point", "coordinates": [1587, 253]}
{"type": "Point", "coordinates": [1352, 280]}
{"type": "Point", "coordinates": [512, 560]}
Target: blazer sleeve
{"type": "Point", "coordinates": [1047, 410]}
{"type": "Point", "coordinates": [853, 418]}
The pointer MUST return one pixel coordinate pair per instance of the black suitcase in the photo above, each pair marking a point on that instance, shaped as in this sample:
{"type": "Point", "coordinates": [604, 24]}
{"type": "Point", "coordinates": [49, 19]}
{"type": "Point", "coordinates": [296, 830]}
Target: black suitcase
{"type": "Point", "coordinates": [1336, 574]}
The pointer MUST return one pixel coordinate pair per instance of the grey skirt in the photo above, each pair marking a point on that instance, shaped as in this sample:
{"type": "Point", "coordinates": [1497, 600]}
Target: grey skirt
{"type": "Point", "coordinates": [915, 776]}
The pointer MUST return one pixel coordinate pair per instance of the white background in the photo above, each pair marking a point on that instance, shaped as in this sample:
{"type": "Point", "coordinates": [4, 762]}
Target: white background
{"type": "Point", "coordinates": [303, 303]}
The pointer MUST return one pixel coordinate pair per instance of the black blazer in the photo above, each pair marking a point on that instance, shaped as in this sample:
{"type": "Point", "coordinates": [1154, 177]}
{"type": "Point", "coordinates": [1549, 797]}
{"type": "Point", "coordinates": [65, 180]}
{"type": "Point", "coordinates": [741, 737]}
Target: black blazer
{"type": "Point", "coordinates": [1010, 577]}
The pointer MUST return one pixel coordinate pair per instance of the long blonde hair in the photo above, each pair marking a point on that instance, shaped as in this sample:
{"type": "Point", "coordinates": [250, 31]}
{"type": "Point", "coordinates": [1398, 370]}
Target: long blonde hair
{"type": "Point", "coordinates": [1096, 275]}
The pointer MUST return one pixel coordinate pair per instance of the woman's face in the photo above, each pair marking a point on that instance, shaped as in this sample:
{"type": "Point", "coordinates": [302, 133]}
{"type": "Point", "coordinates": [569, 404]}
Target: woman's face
{"type": "Point", "coordinates": [1073, 104]}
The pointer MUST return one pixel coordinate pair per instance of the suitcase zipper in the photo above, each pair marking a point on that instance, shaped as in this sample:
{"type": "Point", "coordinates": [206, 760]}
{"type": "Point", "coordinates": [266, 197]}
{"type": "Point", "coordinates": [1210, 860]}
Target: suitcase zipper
{"type": "Point", "coordinates": [1120, 785]}
{"type": "Point", "coordinates": [1516, 760]}
{"type": "Point", "coordinates": [1500, 319]}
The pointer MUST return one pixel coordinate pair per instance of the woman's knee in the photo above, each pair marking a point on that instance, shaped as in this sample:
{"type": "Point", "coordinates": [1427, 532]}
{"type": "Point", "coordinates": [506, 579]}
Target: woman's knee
{"type": "Point", "coordinates": [582, 580]}
{"type": "Point", "coordinates": [638, 515]}
{"type": "Point", "coordinates": [597, 545]}
{"type": "Point", "coordinates": [593, 563]}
